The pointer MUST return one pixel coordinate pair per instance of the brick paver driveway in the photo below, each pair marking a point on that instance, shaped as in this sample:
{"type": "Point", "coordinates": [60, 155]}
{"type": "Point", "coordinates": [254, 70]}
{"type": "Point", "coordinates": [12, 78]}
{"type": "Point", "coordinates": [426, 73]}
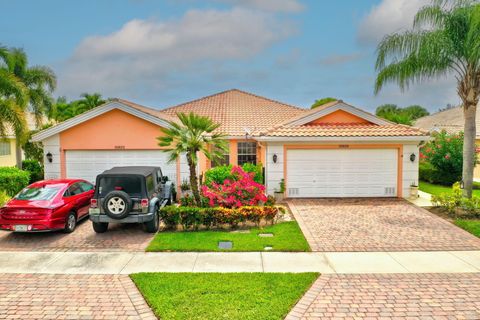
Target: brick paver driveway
{"type": "Point", "coordinates": [393, 296]}
{"type": "Point", "coordinates": [119, 237]}
{"type": "Point", "coordinates": [36, 296]}
{"type": "Point", "coordinates": [376, 225]}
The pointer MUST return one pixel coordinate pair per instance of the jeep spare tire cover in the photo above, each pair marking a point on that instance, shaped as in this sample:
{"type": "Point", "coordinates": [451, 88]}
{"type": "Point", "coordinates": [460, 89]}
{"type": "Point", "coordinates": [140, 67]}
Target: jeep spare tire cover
{"type": "Point", "coordinates": [117, 204]}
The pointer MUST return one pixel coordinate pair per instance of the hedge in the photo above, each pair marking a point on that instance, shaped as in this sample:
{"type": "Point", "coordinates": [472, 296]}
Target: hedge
{"type": "Point", "coordinates": [3, 198]}
{"type": "Point", "coordinates": [35, 169]}
{"type": "Point", "coordinates": [220, 173]}
{"type": "Point", "coordinates": [194, 217]}
{"type": "Point", "coordinates": [12, 180]}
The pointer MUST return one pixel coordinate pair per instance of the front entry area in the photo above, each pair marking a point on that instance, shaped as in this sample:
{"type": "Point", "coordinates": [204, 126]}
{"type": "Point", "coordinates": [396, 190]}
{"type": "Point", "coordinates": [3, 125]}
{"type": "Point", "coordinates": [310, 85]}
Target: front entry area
{"type": "Point", "coordinates": [324, 173]}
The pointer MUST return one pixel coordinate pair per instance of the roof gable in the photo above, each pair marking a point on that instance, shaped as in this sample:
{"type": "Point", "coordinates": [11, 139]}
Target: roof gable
{"type": "Point", "coordinates": [332, 107]}
{"type": "Point", "coordinates": [339, 117]}
{"type": "Point", "coordinates": [123, 105]}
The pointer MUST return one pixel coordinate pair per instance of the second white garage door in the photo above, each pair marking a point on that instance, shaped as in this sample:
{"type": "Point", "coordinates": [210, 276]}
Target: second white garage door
{"type": "Point", "coordinates": [88, 164]}
{"type": "Point", "coordinates": [341, 173]}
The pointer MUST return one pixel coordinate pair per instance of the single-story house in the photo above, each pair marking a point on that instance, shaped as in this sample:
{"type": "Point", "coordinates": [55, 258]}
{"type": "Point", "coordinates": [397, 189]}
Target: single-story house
{"type": "Point", "coordinates": [8, 144]}
{"type": "Point", "coordinates": [452, 121]}
{"type": "Point", "coordinates": [335, 150]}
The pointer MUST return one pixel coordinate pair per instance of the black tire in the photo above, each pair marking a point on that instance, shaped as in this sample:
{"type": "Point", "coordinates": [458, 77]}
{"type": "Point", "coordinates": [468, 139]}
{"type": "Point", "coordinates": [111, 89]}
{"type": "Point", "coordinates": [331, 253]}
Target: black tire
{"type": "Point", "coordinates": [100, 227]}
{"type": "Point", "coordinates": [152, 225]}
{"type": "Point", "coordinates": [117, 204]}
{"type": "Point", "coordinates": [171, 199]}
{"type": "Point", "coordinates": [70, 223]}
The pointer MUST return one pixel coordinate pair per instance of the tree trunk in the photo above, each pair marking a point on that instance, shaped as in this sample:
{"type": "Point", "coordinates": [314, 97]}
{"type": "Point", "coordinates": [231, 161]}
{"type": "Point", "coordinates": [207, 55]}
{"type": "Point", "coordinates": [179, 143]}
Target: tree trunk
{"type": "Point", "coordinates": [193, 179]}
{"type": "Point", "coordinates": [470, 132]}
{"type": "Point", "coordinates": [18, 153]}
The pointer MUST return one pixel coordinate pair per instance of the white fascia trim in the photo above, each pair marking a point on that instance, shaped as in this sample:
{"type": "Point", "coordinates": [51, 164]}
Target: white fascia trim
{"type": "Point", "coordinates": [339, 106]}
{"type": "Point", "coordinates": [353, 139]}
{"type": "Point", "coordinates": [42, 135]}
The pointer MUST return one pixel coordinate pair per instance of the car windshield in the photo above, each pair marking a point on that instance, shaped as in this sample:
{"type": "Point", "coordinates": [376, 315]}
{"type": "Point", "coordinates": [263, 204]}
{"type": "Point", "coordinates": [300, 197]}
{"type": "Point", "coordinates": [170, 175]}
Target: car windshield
{"type": "Point", "coordinates": [129, 184]}
{"type": "Point", "coordinates": [38, 193]}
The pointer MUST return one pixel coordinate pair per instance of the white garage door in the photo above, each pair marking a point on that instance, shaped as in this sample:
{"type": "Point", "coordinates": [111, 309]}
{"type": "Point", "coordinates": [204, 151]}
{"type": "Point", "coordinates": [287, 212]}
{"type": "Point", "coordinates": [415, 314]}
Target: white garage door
{"type": "Point", "coordinates": [88, 164]}
{"type": "Point", "coordinates": [341, 173]}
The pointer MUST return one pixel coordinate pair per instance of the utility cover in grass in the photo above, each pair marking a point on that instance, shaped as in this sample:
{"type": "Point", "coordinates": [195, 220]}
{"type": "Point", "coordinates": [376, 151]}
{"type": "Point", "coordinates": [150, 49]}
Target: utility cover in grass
{"type": "Point", "coordinates": [246, 296]}
{"type": "Point", "coordinates": [225, 245]}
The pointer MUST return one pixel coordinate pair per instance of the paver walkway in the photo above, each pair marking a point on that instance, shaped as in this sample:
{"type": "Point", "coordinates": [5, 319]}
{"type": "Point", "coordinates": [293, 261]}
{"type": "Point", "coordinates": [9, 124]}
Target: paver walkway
{"type": "Point", "coordinates": [376, 225]}
{"type": "Point", "coordinates": [47, 296]}
{"type": "Point", "coordinates": [119, 237]}
{"type": "Point", "coordinates": [392, 296]}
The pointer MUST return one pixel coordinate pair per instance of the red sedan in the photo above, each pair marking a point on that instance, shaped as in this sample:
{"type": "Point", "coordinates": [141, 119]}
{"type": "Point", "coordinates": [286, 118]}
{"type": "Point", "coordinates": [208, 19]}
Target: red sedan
{"type": "Point", "coordinates": [48, 205]}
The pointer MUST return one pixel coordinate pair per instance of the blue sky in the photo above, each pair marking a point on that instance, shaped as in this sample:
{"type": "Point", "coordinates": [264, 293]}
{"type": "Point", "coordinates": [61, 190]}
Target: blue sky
{"type": "Point", "coordinates": [160, 53]}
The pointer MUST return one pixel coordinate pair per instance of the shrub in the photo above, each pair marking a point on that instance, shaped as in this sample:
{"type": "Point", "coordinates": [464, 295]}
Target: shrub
{"type": "Point", "coordinates": [12, 180]}
{"type": "Point", "coordinates": [239, 191]}
{"type": "Point", "coordinates": [194, 217]}
{"type": "Point", "coordinates": [455, 204]}
{"type": "Point", "coordinates": [445, 155]}
{"type": "Point", "coordinates": [35, 169]}
{"type": "Point", "coordinates": [3, 198]}
{"type": "Point", "coordinates": [221, 173]}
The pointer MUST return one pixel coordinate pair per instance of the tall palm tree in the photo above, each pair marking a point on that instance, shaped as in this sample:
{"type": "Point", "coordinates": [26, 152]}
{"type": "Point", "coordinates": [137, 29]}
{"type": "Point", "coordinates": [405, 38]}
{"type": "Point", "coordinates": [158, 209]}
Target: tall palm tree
{"type": "Point", "coordinates": [38, 84]}
{"type": "Point", "coordinates": [89, 101]}
{"type": "Point", "coordinates": [192, 135]}
{"type": "Point", "coordinates": [445, 39]}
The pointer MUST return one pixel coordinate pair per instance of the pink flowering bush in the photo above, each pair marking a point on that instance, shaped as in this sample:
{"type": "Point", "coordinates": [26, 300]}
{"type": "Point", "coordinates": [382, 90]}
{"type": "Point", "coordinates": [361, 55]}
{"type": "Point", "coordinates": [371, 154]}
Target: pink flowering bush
{"type": "Point", "coordinates": [240, 190]}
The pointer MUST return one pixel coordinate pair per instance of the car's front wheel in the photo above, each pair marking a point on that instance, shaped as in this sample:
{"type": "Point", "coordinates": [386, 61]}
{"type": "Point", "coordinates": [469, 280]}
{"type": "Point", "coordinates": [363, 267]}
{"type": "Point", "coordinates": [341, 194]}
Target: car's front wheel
{"type": "Point", "coordinates": [100, 227]}
{"type": "Point", "coordinates": [70, 223]}
{"type": "Point", "coordinates": [152, 225]}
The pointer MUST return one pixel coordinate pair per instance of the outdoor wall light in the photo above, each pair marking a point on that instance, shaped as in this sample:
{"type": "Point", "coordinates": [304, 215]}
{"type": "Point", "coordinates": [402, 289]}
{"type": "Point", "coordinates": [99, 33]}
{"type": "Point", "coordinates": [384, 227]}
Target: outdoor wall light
{"type": "Point", "coordinates": [49, 157]}
{"type": "Point", "coordinates": [275, 158]}
{"type": "Point", "coordinates": [412, 157]}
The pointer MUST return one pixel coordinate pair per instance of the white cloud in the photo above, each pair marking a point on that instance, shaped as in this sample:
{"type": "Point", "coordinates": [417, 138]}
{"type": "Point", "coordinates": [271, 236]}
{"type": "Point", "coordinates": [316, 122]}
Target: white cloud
{"type": "Point", "coordinates": [387, 17]}
{"type": "Point", "coordinates": [269, 5]}
{"type": "Point", "coordinates": [147, 54]}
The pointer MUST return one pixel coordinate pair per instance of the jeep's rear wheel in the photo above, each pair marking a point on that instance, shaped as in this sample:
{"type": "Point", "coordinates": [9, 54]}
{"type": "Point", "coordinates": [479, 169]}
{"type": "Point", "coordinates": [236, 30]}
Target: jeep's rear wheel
{"type": "Point", "coordinates": [152, 225]}
{"type": "Point", "coordinates": [117, 204]}
{"type": "Point", "coordinates": [100, 227]}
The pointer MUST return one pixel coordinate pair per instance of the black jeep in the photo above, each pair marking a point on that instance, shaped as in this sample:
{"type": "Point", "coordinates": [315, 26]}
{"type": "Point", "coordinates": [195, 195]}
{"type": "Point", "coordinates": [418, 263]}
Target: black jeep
{"type": "Point", "coordinates": [130, 195]}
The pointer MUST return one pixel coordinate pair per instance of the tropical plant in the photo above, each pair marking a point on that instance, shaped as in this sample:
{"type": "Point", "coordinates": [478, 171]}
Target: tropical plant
{"type": "Point", "coordinates": [192, 135]}
{"type": "Point", "coordinates": [445, 39]}
{"type": "Point", "coordinates": [406, 115]}
{"type": "Point", "coordinates": [219, 174]}
{"type": "Point", "coordinates": [37, 82]}
{"type": "Point", "coordinates": [88, 102]}
{"type": "Point", "coordinates": [322, 101]}
{"type": "Point", "coordinates": [65, 110]}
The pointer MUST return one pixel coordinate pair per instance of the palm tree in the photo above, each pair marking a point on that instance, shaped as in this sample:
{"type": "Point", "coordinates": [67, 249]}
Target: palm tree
{"type": "Point", "coordinates": [192, 135]}
{"type": "Point", "coordinates": [38, 83]}
{"type": "Point", "coordinates": [89, 101]}
{"type": "Point", "coordinates": [445, 39]}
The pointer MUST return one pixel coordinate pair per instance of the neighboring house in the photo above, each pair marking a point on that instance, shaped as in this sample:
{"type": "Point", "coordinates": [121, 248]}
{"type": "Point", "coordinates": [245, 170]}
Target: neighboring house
{"type": "Point", "coordinates": [335, 150]}
{"type": "Point", "coordinates": [452, 121]}
{"type": "Point", "coordinates": [8, 144]}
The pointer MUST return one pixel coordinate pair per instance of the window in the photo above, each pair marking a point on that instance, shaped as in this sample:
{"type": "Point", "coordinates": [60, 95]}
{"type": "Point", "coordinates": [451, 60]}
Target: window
{"type": "Point", "coordinates": [223, 161]}
{"type": "Point", "coordinates": [38, 193]}
{"type": "Point", "coordinates": [74, 190]}
{"type": "Point", "coordinates": [86, 186]}
{"type": "Point", "coordinates": [5, 148]}
{"type": "Point", "coordinates": [150, 184]}
{"type": "Point", "coordinates": [247, 153]}
{"type": "Point", "coordinates": [129, 184]}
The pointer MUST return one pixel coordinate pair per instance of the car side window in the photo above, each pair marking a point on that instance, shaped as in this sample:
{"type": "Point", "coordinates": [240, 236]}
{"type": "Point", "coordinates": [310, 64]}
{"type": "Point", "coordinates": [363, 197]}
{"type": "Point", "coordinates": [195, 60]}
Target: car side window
{"type": "Point", "coordinates": [75, 189]}
{"type": "Point", "coordinates": [150, 183]}
{"type": "Point", "coordinates": [86, 186]}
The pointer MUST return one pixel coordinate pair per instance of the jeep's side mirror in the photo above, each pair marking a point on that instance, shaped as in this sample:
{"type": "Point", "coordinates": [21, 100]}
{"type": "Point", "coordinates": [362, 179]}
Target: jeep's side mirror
{"type": "Point", "coordinates": [164, 179]}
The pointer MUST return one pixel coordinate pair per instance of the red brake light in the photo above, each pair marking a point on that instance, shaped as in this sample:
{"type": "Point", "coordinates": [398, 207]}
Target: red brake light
{"type": "Point", "coordinates": [144, 203]}
{"type": "Point", "coordinates": [118, 188]}
{"type": "Point", "coordinates": [93, 203]}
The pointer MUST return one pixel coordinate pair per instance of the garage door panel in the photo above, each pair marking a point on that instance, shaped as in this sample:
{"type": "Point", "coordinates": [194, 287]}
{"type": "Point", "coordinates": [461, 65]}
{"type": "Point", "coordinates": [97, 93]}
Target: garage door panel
{"type": "Point", "coordinates": [88, 164]}
{"type": "Point", "coordinates": [341, 173]}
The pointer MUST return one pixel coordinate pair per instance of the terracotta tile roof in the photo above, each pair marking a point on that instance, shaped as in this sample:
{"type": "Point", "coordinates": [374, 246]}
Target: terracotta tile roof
{"type": "Point", "coordinates": [235, 110]}
{"type": "Point", "coordinates": [450, 120]}
{"type": "Point", "coordinates": [345, 130]}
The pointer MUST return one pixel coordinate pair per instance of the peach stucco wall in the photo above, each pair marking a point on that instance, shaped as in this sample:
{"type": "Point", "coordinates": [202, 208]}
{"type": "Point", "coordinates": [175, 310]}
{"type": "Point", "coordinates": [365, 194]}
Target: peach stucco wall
{"type": "Point", "coordinates": [112, 130]}
{"type": "Point", "coordinates": [339, 116]}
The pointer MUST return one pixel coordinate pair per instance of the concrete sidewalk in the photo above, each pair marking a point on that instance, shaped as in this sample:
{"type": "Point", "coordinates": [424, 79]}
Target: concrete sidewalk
{"type": "Point", "coordinates": [326, 263]}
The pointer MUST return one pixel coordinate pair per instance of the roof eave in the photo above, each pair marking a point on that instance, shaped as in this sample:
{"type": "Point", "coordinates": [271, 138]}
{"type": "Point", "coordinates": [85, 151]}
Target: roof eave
{"type": "Point", "coordinates": [347, 138]}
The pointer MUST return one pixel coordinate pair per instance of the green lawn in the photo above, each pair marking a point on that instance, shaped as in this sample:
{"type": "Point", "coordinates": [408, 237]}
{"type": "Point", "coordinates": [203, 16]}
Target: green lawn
{"type": "Point", "coordinates": [222, 295]}
{"type": "Point", "coordinates": [436, 189]}
{"type": "Point", "coordinates": [287, 236]}
{"type": "Point", "coordinates": [472, 226]}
